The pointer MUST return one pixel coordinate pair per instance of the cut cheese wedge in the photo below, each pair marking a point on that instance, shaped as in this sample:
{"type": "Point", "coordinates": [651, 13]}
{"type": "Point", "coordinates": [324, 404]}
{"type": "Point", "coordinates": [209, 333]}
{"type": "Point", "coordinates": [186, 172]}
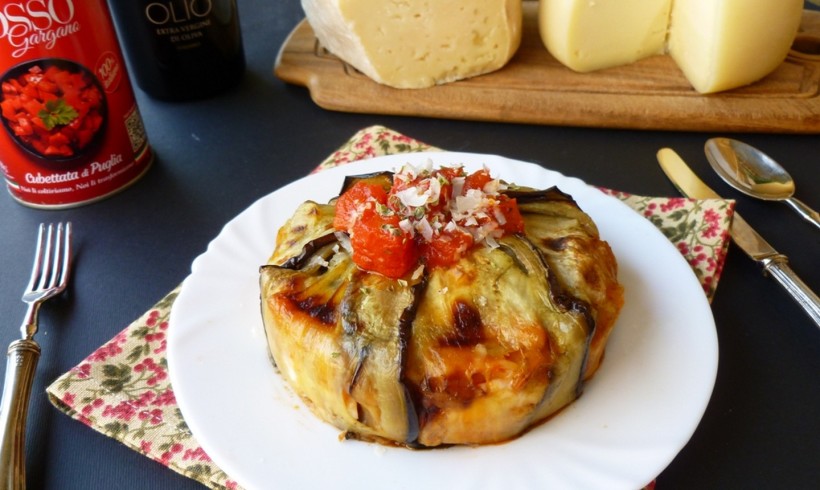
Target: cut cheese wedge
{"type": "Point", "coordinates": [588, 35]}
{"type": "Point", "coordinates": [724, 44]}
{"type": "Point", "coordinates": [718, 44]}
{"type": "Point", "coordinates": [418, 43]}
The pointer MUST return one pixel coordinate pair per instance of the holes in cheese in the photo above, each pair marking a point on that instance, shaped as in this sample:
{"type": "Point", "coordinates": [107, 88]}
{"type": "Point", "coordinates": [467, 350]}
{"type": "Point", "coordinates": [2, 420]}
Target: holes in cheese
{"type": "Point", "coordinates": [417, 43]}
{"type": "Point", "coordinates": [718, 44]}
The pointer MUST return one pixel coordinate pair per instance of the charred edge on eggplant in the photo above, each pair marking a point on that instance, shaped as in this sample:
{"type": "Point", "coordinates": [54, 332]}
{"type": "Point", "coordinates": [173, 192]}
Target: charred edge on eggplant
{"type": "Point", "coordinates": [350, 328]}
{"type": "Point", "coordinates": [385, 179]}
{"type": "Point", "coordinates": [322, 311]}
{"type": "Point", "coordinates": [262, 313]}
{"type": "Point", "coordinates": [557, 244]}
{"type": "Point", "coordinates": [530, 196]}
{"type": "Point", "coordinates": [571, 303]}
{"type": "Point", "coordinates": [469, 330]}
{"type": "Point", "coordinates": [361, 358]}
{"type": "Point", "coordinates": [562, 299]}
{"type": "Point", "coordinates": [362, 355]}
{"type": "Point", "coordinates": [308, 250]}
{"type": "Point", "coordinates": [558, 294]}
{"type": "Point", "coordinates": [411, 398]}
{"type": "Point", "coordinates": [514, 256]}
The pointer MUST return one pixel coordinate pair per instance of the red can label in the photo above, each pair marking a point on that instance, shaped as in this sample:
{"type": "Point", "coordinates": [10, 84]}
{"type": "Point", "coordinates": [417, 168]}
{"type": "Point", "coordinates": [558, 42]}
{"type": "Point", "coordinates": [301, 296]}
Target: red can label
{"type": "Point", "coordinates": [72, 132]}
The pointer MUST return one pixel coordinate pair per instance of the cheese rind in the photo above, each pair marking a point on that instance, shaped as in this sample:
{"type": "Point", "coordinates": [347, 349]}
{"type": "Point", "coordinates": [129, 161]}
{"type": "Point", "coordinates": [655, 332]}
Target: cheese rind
{"type": "Point", "coordinates": [415, 43]}
{"type": "Point", "coordinates": [588, 35]}
{"type": "Point", "coordinates": [720, 45]}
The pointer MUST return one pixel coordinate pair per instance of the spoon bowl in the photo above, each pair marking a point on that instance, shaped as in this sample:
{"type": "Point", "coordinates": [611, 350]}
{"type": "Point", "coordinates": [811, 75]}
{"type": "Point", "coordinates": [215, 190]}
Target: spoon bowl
{"type": "Point", "coordinates": [754, 173]}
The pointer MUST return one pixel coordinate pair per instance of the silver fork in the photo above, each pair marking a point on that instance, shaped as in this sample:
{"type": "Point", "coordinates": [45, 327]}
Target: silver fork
{"type": "Point", "coordinates": [49, 277]}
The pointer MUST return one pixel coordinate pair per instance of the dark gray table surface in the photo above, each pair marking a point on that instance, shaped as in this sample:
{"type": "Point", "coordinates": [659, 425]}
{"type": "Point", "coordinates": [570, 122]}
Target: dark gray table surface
{"type": "Point", "coordinates": [216, 157]}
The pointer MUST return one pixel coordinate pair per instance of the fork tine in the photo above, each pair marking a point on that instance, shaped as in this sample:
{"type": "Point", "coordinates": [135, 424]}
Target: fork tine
{"type": "Point", "coordinates": [66, 257]}
{"type": "Point", "coordinates": [52, 258]}
{"type": "Point", "coordinates": [50, 274]}
{"type": "Point", "coordinates": [48, 257]}
{"type": "Point", "coordinates": [38, 256]}
{"type": "Point", "coordinates": [56, 257]}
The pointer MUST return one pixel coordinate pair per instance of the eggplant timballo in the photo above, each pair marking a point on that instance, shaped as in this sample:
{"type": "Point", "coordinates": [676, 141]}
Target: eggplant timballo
{"type": "Point", "coordinates": [473, 353]}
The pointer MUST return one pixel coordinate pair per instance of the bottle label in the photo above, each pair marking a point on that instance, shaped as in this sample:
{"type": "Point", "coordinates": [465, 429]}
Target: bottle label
{"type": "Point", "coordinates": [180, 22]}
{"type": "Point", "coordinates": [72, 132]}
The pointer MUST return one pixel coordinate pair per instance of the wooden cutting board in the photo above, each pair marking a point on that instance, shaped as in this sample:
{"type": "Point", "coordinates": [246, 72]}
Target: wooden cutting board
{"type": "Point", "coordinates": [535, 88]}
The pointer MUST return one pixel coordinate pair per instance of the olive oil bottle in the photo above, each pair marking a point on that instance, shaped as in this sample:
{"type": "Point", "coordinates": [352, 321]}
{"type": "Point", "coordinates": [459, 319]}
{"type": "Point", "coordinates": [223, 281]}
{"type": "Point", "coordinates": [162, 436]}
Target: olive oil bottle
{"type": "Point", "coordinates": [181, 49]}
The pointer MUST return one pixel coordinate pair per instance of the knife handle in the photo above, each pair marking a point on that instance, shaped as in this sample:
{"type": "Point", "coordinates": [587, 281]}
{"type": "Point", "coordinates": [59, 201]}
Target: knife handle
{"type": "Point", "coordinates": [21, 363]}
{"type": "Point", "coordinates": [778, 267]}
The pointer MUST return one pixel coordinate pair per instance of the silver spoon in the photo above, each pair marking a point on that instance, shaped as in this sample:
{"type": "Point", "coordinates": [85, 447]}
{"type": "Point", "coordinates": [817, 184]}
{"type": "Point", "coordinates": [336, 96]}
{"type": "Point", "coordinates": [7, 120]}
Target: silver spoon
{"type": "Point", "coordinates": [754, 173]}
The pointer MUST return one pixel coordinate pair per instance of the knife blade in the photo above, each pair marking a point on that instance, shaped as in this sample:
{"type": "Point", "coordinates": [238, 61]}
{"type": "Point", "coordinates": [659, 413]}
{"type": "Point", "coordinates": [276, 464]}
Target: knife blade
{"type": "Point", "coordinates": [744, 236]}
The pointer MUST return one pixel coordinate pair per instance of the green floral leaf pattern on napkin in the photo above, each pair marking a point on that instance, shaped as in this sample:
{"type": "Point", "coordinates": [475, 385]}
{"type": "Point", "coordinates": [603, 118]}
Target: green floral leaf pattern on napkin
{"type": "Point", "coordinates": [123, 391]}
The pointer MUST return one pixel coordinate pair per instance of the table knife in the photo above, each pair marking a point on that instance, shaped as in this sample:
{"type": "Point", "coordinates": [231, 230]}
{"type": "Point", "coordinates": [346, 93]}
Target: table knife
{"type": "Point", "coordinates": [772, 262]}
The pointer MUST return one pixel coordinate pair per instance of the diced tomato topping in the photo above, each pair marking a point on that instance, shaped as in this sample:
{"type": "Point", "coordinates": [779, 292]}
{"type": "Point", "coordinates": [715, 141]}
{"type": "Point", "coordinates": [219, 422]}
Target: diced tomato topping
{"type": "Point", "coordinates": [380, 246]}
{"type": "Point", "coordinates": [513, 223]}
{"type": "Point", "coordinates": [351, 204]}
{"type": "Point", "coordinates": [447, 248]}
{"type": "Point", "coordinates": [477, 180]}
{"type": "Point", "coordinates": [420, 218]}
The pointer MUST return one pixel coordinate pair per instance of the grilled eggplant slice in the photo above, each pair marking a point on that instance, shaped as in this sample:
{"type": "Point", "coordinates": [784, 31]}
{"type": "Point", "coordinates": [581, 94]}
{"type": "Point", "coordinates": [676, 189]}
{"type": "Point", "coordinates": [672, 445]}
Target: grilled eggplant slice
{"type": "Point", "coordinates": [474, 353]}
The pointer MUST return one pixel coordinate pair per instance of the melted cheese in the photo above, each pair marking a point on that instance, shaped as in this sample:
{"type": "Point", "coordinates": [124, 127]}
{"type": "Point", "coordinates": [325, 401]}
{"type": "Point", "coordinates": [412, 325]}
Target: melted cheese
{"type": "Point", "coordinates": [416, 43]}
{"type": "Point", "coordinates": [718, 44]}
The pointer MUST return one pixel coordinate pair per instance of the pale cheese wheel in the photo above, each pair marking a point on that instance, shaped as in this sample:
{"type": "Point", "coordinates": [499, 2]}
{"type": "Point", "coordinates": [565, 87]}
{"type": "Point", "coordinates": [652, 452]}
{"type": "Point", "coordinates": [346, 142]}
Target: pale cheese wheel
{"type": "Point", "coordinates": [418, 43]}
{"type": "Point", "coordinates": [724, 44]}
{"type": "Point", "coordinates": [717, 44]}
{"type": "Point", "coordinates": [589, 35]}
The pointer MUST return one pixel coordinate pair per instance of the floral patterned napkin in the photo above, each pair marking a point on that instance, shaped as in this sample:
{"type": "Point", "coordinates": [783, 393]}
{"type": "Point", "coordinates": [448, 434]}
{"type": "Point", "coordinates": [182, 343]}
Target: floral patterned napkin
{"type": "Point", "coordinates": [123, 391]}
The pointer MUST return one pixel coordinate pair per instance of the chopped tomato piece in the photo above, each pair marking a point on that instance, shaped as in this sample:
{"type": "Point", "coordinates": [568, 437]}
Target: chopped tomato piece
{"type": "Point", "coordinates": [23, 127]}
{"type": "Point", "coordinates": [379, 245]}
{"type": "Point", "coordinates": [9, 110]}
{"type": "Point", "coordinates": [57, 151]}
{"type": "Point", "coordinates": [514, 223]}
{"type": "Point", "coordinates": [33, 107]}
{"type": "Point", "coordinates": [58, 139]}
{"type": "Point", "coordinates": [47, 86]}
{"type": "Point", "coordinates": [39, 124]}
{"type": "Point", "coordinates": [477, 180]}
{"type": "Point", "coordinates": [351, 204]}
{"type": "Point", "coordinates": [30, 90]}
{"type": "Point", "coordinates": [18, 88]}
{"type": "Point", "coordinates": [419, 217]}
{"type": "Point", "coordinates": [447, 248]}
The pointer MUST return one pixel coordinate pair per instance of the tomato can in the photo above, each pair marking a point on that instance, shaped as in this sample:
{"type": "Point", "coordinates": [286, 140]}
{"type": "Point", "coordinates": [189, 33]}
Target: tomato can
{"type": "Point", "coordinates": [71, 129]}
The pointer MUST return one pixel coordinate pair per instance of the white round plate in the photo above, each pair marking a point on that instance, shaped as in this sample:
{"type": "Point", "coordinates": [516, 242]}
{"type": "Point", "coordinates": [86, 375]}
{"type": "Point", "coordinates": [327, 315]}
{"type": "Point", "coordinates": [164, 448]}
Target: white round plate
{"type": "Point", "coordinates": [635, 415]}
